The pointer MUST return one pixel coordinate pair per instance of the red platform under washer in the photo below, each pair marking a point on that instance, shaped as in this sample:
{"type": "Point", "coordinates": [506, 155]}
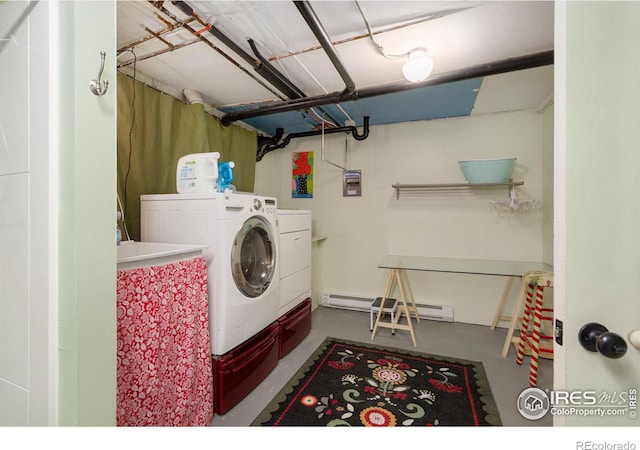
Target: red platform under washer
{"type": "Point", "coordinates": [239, 371]}
{"type": "Point", "coordinates": [294, 327]}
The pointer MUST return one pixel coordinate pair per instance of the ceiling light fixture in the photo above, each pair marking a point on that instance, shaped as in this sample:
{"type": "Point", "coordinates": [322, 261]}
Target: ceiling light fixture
{"type": "Point", "coordinates": [419, 66]}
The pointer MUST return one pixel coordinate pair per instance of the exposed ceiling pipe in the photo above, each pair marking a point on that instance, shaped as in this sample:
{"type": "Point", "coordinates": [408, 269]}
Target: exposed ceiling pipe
{"type": "Point", "coordinates": [151, 55]}
{"type": "Point", "coordinates": [152, 35]}
{"type": "Point", "coordinates": [267, 144]}
{"type": "Point", "coordinates": [188, 11]}
{"type": "Point", "coordinates": [482, 70]}
{"type": "Point", "coordinates": [261, 65]}
{"type": "Point", "coordinates": [367, 35]}
{"type": "Point", "coordinates": [267, 71]}
{"type": "Point", "coordinates": [292, 90]}
{"type": "Point", "coordinates": [314, 23]}
{"type": "Point", "coordinates": [185, 24]}
{"type": "Point", "coordinates": [266, 24]}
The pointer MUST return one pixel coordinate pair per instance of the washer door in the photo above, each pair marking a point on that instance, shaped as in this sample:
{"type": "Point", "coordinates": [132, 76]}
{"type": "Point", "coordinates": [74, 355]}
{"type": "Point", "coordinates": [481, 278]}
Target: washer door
{"type": "Point", "coordinates": [253, 257]}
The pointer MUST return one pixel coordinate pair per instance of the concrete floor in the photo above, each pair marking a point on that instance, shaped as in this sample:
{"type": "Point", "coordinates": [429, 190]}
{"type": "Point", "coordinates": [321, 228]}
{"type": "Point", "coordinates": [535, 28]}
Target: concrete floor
{"type": "Point", "coordinates": [458, 340]}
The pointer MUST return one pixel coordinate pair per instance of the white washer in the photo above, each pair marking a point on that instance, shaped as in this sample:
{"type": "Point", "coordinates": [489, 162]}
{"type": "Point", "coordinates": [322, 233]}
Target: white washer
{"type": "Point", "coordinates": [241, 232]}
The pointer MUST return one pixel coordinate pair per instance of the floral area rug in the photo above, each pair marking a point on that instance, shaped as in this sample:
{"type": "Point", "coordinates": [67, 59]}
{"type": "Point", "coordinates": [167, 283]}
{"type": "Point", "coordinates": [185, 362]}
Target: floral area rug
{"type": "Point", "coordinates": [356, 384]}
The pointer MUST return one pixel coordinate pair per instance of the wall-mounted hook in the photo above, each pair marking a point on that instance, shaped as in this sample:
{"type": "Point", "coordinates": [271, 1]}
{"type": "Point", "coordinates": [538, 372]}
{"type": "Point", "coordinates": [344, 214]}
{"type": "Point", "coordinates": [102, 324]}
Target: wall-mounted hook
{"type": "Point", "coordinates": [597, 338]}
{"type": "Point", "coordinates": [99, 87]}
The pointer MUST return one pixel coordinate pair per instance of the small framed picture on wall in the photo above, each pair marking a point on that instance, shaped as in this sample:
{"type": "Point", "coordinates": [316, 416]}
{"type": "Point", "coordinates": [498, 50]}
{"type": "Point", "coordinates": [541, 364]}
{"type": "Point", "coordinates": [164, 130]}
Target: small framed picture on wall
{"type": "Point", "coordinates": [302, 175]}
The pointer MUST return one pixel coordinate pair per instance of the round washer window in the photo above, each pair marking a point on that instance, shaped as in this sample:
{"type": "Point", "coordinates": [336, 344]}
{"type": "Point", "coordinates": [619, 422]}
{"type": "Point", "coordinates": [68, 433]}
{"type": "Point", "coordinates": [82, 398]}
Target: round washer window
{"type": "Point", "coordinates": [253, 257]}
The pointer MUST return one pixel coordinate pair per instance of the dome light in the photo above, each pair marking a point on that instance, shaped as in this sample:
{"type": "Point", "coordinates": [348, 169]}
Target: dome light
{"type": "Point", "coordinates": [419, 66]}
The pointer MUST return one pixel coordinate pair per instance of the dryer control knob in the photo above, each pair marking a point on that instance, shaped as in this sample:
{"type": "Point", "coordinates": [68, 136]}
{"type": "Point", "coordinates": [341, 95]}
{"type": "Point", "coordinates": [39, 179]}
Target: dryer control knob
{"type": "Point", "coordinates": [257, 204]}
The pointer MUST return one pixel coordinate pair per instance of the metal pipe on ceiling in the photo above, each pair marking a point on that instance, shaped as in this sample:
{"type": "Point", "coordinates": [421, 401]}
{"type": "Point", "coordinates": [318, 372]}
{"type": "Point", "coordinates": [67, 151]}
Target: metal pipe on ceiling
{"type": "Point", "coordinates": [188, 11]}
{"type": "Point", "coordinates": [399, 26]}
{"type": "Point", "coordinates": [169, 28]}
{"type": "Point", "coordinates": [267, 71]}
{"type": "Point", "coordinates": [267, 145]}
{"type": "Point", "coordinates": [481, 70]}
{"type": "Point", "coordinates": [314, 23]}
{"type": "Point", "coordinates": [266, 24]}
{"type": "Point", "coordinates": [151, 55]}
{"type": "Point", "coordinates": [261, 65]}
{"type": "Point", "coordinates": [185, 24]}
{"type": "Point", "coordinates": [292, 90]}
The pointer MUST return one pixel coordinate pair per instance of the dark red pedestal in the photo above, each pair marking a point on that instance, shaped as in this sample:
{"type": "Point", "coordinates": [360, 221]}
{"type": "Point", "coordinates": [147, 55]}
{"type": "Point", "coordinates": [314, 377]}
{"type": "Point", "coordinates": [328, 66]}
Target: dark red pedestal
{"type": "Point", "coordinates": [239, 371]}
{"type": "Point", "coordinates": [294, 327]}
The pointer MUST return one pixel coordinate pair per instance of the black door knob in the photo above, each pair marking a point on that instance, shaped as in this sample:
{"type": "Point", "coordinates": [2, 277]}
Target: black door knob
{"type": "Point", "coordinates": [597, 338]}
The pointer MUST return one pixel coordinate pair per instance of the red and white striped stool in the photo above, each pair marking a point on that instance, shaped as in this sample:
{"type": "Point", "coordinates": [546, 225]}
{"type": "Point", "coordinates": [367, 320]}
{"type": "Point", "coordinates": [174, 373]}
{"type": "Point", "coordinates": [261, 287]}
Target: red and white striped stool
{"type": "Point", "coordinates": [540, 345]}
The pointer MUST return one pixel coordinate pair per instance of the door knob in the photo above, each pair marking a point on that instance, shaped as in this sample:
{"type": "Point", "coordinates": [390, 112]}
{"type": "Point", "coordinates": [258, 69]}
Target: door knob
{"type": "Point", "coordinates": [634, 338]}
{"type": "Point", "coordinates": [597, 338]}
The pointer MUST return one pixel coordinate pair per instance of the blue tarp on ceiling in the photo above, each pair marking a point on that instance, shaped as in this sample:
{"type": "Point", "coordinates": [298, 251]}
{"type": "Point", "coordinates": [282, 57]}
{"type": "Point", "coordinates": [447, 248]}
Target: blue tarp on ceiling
{"type": "Point", "coordinates": [432, 102]}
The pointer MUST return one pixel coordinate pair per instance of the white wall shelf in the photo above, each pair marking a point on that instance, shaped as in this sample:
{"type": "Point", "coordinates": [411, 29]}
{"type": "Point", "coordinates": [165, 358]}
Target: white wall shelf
{"type": "Point", "coordinates": [445, 186]}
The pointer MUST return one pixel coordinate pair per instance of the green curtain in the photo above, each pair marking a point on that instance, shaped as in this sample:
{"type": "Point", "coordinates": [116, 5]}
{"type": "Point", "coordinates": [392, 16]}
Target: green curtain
{"type": "Point", "coordinates": [161, 132]}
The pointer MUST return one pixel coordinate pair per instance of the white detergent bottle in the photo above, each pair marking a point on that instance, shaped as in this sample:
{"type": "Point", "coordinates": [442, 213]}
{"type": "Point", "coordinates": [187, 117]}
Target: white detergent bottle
{"type": "Point", "coordinates": [197, 173]}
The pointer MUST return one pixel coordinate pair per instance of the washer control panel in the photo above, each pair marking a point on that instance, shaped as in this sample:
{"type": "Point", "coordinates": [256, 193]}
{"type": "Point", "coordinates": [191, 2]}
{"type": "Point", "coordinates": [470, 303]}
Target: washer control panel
{"type": "Point", "coordinates": [266, 205]}
{"type": "Point", "coordinates": [270, 207]}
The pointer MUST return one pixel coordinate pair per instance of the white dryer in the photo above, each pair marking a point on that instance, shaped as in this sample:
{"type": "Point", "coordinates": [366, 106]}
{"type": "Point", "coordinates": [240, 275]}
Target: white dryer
{"type": "Point", "coordinates": [241, 232]}
{"type": "Point", "coordinates": [295, 258]}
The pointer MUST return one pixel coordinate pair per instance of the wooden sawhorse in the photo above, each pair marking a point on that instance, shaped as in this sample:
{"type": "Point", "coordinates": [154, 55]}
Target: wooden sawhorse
{"type": "Point", "coordinates": [398, 277]}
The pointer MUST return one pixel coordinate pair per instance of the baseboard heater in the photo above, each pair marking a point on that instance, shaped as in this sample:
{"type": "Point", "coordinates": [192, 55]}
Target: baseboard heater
{"type": "Point", "coordinates": [441, 313]}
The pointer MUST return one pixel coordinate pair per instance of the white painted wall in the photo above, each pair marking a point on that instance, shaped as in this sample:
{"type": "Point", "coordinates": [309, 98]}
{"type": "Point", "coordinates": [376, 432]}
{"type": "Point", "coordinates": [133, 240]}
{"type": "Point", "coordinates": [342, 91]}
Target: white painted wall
{"type": "Point", "coordinates": [57, 215]}
{"type": "Point", "coordinates": [28, 373]}
{"type": "Point", "coordinates": [597, 160]}
{"type": "Point", "coordinates": [548, 188]}
{"type": "Point", "coordinates": [361, 231]}
{"type": "Point", "coordinates": [87, 318]}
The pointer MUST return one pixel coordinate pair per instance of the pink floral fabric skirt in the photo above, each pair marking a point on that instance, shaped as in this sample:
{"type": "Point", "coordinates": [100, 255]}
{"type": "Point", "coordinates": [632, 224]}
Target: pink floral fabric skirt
{"type": "Point", "coordinates": [164, 373]}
